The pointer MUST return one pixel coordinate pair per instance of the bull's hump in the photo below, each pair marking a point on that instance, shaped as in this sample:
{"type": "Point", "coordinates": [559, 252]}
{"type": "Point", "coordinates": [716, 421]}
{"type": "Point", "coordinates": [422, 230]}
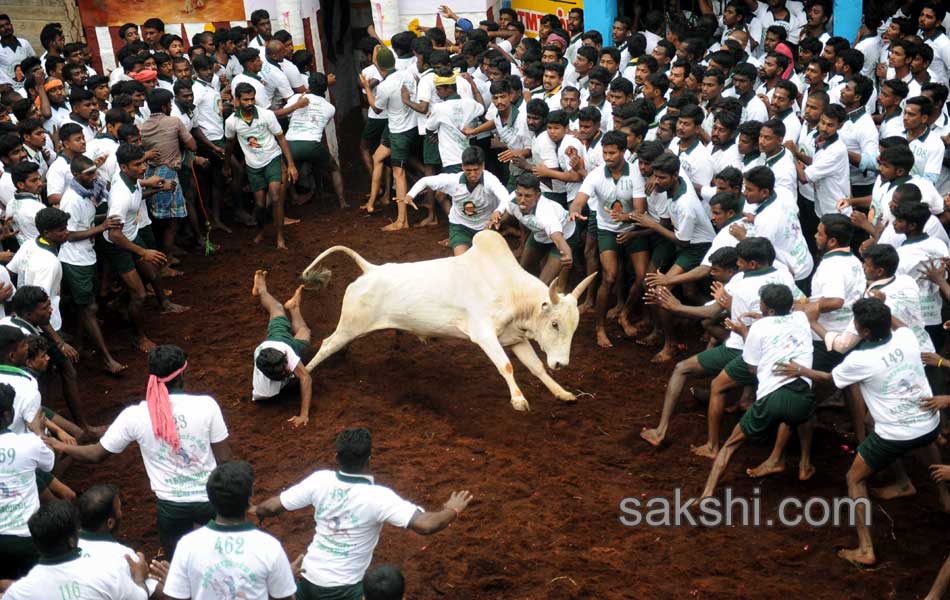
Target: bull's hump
{"type": "Point", "coordinates": [492, 245]}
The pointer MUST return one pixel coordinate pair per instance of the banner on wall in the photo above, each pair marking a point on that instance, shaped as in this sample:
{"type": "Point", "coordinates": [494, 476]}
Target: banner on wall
{"type": "Point", "coordinates": [103, 13]}
{"type": "Point", "coordinates": [531, 11]}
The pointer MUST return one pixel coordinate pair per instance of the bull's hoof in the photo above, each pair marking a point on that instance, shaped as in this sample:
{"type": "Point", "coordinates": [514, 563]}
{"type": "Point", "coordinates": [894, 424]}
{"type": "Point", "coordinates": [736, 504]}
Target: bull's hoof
{"type": "Point", "coordinates": [566, 397]}
{"type": "Point", "coordinates": [520, 404]}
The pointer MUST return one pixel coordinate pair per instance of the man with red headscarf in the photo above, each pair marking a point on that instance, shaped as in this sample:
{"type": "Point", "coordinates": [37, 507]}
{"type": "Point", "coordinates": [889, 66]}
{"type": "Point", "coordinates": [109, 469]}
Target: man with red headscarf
{"type": "Point", "coordinates": [182, 438]}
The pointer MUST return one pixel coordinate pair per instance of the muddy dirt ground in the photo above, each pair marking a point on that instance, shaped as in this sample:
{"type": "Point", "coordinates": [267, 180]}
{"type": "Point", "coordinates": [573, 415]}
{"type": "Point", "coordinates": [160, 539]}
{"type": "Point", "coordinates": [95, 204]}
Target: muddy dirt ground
{"type": "Point", "coordinates": [548, 484]}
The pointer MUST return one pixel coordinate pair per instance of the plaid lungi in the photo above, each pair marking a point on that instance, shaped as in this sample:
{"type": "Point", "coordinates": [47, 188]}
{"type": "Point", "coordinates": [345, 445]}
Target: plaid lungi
{"type": "Point", "coordinates": [166, 205]}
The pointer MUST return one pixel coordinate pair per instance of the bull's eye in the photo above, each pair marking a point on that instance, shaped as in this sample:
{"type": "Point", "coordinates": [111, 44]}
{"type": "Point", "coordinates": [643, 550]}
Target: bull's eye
{"type": "Point", "coordinates": [554, 325]}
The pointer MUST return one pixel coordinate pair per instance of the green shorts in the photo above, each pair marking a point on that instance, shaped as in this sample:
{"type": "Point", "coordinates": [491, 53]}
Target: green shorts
{"type": "Point", "coordinates": [312, 152]}
{"type": "Point", "coordinates": [879, 453]}
{"type": "Point", "coordinates": [793, 403]}
{"type": "Point", "coordinates": [400, 145]}
{"type": "Point", "coordinates": [279, 330]}
{"type": "Point", "coordinates": [690, 257]}
{"type": "Point", "coordinates": [122, 260]}
{"type": "Point", "coordinates": [460, 235]}
{"type": "Point", "coordinates": [176, 519]}
{"type": "Point", "coordinates": [574, 241]}
{"type": "Point", "coordinates": [452, 169]}
{"type": "Point", "coordinates": [259, 179]}
{"type": "Point", "coordinates": [607, 242]}
{"type": "Point", "coordinates": [43, 479]}
{"type": "Point", "coordinates": [825, 360]}
{"type": "Point", "coordinates": [723, 358]}
{"type": "Point", "coordinates": [430, 151]}
{"type": "Point", "coordinates": [373, 130]}
{"type": "Point", "coordinates": [310, 591]}
{"type": "Point", "coordinates": [81, 281]}
{"type": "Point", "coordinates": [591, 224]}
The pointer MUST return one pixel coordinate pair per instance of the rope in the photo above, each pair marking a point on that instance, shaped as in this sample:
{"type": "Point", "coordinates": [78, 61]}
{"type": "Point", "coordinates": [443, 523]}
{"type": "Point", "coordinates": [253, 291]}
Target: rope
{"type": "Point", "coordinates": [209, 247]}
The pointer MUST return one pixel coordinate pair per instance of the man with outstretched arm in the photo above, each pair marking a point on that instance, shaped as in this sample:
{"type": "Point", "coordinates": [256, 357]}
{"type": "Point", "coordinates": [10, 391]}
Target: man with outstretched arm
{"type": "Point", "coordinates": [351, 512]}
{"type": "Point", "coordinates": [279, 358]}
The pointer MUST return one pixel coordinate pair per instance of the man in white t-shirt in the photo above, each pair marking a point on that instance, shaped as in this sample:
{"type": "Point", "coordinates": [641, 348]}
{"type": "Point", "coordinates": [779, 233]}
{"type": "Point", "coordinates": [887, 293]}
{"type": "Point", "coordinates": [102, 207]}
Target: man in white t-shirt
{"type": "Point", "coordinates": [100, 518]}
{"type": "Point", "coordinates": [887, 368]}
{"type": "Point", "coordinates": [180, 450]}
{"type": "Point", "coordinates": [24, 205]}
{"type": "Point", "coordinates": [351, 512]}
{"type": "Point", "coordinates": [64, 572]}
{"type": "Point", "coordinates": [229, 557]}
{"type": "Point", "coordinates": [779, 336]}
{"type": "Point", "coordinates": [476, 195]}
{"type": "Point", "coordinates": [305, 133]}
{"type": "Point", "coordinates": [552, 236]}
{"type": "Point", "coordinates": [278, 360]}
{"type": "Point", "coordinates": [23, 454]}
{"type": "Point", "coordinates": [838, 283]}
{"type": "Point", "coordinates": [262, 141]}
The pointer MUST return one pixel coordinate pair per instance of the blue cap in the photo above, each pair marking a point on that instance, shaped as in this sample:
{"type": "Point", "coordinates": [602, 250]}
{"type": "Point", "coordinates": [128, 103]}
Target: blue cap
{"type": "Point", "coordinates": [465, 25]}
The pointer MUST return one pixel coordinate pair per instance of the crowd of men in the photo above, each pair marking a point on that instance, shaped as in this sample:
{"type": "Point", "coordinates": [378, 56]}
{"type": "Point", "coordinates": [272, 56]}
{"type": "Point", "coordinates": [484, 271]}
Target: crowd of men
{"type": "Point", "coordinates": [786, 190]}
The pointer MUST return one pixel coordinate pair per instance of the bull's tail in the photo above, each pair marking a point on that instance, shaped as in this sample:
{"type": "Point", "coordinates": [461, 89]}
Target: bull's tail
{"type": "Point", "coordinates": [317, 278]}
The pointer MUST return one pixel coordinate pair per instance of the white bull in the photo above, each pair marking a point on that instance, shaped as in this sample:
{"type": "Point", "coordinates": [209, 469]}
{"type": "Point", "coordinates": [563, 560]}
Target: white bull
{"type": "Point", "coordinates": [483, 295]}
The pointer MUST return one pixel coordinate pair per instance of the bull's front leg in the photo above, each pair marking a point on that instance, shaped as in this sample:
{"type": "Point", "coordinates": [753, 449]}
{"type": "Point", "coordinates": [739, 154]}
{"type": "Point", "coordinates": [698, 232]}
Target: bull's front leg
{"type": "Point", "coordinates": [529, 358]}
{"type": "Point", "coordinates": [488, 342]}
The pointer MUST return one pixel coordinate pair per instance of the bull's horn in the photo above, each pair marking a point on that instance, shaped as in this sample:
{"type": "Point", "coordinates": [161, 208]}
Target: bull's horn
{"type": "Point", "coordinates": [579, 290]}
{"type": "Point", "coordinates": [552, 292]}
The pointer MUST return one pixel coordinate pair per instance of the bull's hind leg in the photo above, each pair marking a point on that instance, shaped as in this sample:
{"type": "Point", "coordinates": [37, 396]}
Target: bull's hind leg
{"type": "Point", "coordinates": [489, 343]}
{"type": "Point", "coordinates": [529, 358]}
{"type": "Point", "coordinates": [331, 345]}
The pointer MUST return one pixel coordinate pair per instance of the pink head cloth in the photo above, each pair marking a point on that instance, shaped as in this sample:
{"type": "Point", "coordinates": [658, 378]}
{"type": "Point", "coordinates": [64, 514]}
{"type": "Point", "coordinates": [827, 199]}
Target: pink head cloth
{"type": "Point", "coordinates": [160, 408]}
{"type": "Point", "coordinates": [786, 51]}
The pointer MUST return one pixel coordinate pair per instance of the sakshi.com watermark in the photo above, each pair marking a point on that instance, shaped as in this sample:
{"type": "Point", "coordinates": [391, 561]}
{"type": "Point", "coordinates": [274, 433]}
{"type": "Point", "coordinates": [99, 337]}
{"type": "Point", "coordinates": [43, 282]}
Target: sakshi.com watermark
{"type": "Point", "coordinates": [742, 511]}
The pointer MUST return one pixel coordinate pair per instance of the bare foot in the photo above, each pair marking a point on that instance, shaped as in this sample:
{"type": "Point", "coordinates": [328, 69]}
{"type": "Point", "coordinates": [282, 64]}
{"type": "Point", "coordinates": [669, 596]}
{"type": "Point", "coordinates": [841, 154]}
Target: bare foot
{"type": "Point", "coordinates": [614, 312]}
{"type": "Point", "coordinates": [144, 344]}
{"type": "Point", "coordinates": [805, 472]}
{"type": "Point", "coordinates": [705, 450]}
{"type": "Point", "coordinates": [629, 329]}
{"type": "Point", "coordinates": [444, 242]}
{"type": "Point", "coordinates": [112, 366]}
{"type": "Point", "coordinates": [259, 238]}
{"type": "Point", "coordinates": [344, 203]}
{"type": "Point", "coordinates": [368, 207]}
{"type": "Point", "coordinates": [429, 222]}
{"type": "Point", "coordinates": [170, 308]}
{"type": "Point", "coordinates": [294, 300]}
{"type": "Point", "coordinates": [302, 199]}
{"type": "Point", "coordinates": [244, 218]}
{"type": "Point", "coordinates": [664, 356]}
{"type": "Point", "coordinates": [653, 436]}
{"type": "Point", "coordinates": [765, 469]}
{"type": "Point", "coordinates": [218, 225]}
{"type": "Point", "coordinates": [653, 339]}
{"type": "Point", "coordinates": [895, 490]}
{"type": "Point", "coordinates": [602, 340]}
{"type": "Point", "coordinates": [168, 273]}
{"type": "Point", "coordinates": [260, 282]}
{"type": "Point", "coordinates": [289, 221]}
{"type": "Point", "coordinates": [396, 226]}
{"type": "Point", "coordinates": [281, 244]}
{"type": "Point", "coordinates": [858, 557]}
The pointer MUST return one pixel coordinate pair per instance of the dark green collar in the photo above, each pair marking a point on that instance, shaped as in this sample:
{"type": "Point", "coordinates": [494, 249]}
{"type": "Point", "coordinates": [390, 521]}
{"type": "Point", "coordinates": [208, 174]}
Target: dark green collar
{"type": "Point", "coordinates": [691, 147]}
{"type": "Point", "coordinates": [781, 115]}
{"type": "Point", "coordinates": [351, 478]}
{"type": "Point", "coordinates": [751, 156]}
{"type": "Point", "coordinates": [768, 201]}
{"type": "Point", "coordinates": [893, 183]}
{"type": "Point", "coordinates": [129, 182]}
{"type": "Point", "coordinates": [867, 344]}
{"type": "Point", "coordinates": [464, 180]}
{"type": "Point", "coordinates": [11, 370]}
{"type": "Point", "coordinates": [680, 189]}
{"type": "Point", "coordinates": [917, 238]}
{"type": "Point", "coordinates": [240, 114]}
{"type": "Point", "coordinates": [624, 172]}
{"type": "Point", "coordinates": [215, 526]}
{"type": "Point", "coordinates": [757, 272]}
{"type": "Point", "coordinates": [771, 160]}
{"type": "Point", "coordinates": [896, 113]}
{"type": "Point", "coordinates": [829, 141]}
{"type": "Point", "coordinates": [62, 558]}
{"type": "Point", "coordinates": [726, 146]}
{"type": "Point", "coordinates": [41, 242]}
{"type": "Point", "coordinates": [105, 136]}
{"type": "Point", "coordinates": [854, 115]}
{"type": "Point", "coordinates": [96, 536]}
{"type": "Point", "coordinates": [256, 76]}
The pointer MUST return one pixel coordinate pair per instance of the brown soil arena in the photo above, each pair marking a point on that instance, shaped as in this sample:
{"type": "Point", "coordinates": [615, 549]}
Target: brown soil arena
{"type": "Point", "coordinates": [548, 484]}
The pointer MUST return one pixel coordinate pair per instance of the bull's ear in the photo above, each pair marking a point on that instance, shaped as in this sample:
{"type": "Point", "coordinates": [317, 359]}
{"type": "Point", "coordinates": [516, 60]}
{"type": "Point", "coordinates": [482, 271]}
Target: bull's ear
{"type": "Point", "coordinates": [552, 292]}
{"type": "Point", "coordinates": [579, 290]}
